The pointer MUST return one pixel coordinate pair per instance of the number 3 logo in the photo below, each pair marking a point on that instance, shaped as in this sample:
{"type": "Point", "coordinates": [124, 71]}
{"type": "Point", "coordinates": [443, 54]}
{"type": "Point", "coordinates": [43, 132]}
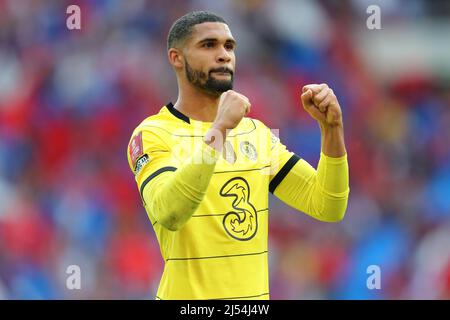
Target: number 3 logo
{"type": "Point", "coordinates": [242, 223]}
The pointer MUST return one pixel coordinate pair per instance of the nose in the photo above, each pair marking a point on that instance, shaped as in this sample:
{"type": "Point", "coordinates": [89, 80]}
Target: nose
{"type": "Point", "coordinates": [224, 55]}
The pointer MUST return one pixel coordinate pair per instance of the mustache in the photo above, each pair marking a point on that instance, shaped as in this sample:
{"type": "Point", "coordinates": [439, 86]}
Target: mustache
{"type": "Point", "coordinates": [223, 70]}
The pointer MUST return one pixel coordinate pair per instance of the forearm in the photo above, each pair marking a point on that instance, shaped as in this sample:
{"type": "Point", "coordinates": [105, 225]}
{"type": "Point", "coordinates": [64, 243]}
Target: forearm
{"type": "Point", "coordinates": [332, 138]}
{"type": "Point", "coordinates": [322, 194]}
{"type": "Point", "coordinates": [332, 187]}
{"type": "Point", "coordinates": [173, 197]}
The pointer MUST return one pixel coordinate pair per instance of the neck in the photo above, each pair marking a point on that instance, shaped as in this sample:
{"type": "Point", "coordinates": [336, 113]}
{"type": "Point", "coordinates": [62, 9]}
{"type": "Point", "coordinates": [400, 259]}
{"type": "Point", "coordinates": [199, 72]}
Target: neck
{"type": "Point", "coordinates": [196, 104]}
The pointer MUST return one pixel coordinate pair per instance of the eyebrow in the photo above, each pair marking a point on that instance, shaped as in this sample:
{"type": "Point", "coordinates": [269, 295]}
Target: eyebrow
{"type": "Point", "coordinates": [229, 40]}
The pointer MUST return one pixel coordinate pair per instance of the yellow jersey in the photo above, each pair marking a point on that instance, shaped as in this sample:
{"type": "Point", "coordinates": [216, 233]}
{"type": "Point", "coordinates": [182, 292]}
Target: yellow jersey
{"type": "Point", "coordinates": [222, 250]}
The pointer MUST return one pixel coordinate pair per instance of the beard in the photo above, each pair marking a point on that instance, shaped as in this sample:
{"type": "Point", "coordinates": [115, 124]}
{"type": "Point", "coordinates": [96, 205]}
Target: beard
{"type": "Point", "coordinates": [207, 83]}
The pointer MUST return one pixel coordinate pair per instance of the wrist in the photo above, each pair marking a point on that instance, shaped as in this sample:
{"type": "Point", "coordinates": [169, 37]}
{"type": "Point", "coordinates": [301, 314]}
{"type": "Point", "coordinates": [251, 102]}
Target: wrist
{"type": "Point", "coordinates": [333, 144]}
{"type": "Point", "coordinates": [326, 128]}
{"type": "Point", "coordinates": [215, 137]}
{"type": "Point", "coordinates": [219, 126]}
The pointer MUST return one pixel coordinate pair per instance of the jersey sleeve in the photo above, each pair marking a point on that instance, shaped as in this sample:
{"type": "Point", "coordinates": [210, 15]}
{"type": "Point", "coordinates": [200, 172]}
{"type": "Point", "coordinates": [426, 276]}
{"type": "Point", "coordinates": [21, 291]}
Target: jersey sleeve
{"type": "Point", "coordinates": [321, 194]}
{"type": "Point", "coordinates": [149, 156]}
{"type": "Point", "coordinates": [281, 161]}
{"type": "Point", "coordinates": [171, 188]}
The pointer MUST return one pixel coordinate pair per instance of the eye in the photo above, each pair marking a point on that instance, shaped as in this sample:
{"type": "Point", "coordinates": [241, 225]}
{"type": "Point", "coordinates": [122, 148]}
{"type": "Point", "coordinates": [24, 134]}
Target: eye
{"type": "Point", "coordinates": [229, 46]}
{"type": "Point", "coordinates": [208, 44]}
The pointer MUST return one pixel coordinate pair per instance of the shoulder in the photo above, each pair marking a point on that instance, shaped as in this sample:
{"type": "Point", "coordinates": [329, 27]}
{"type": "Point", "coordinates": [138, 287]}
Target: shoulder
{"type": "Point", "coordinates": [159, 127]}
{"type": "Point", "coordinates": [156, 123]}
{"type": "Point", "coordinates": [256, 125]}
{"type": "Point", "coordinates": [270, 134]}
{"type": "Point", "coordinates": [150, 135]}
{"type": "Point", "coordinates": [150, 132]}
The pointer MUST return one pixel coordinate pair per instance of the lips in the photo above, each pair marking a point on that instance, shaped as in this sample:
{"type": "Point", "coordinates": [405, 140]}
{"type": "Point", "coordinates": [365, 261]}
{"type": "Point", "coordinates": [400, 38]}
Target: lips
{"type": "Point", "coordinates": [223, 72]}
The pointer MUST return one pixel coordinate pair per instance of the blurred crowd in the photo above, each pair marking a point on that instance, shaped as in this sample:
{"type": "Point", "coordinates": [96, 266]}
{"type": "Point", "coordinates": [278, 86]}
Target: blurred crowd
{"type": "Point", "coordinates": [69, 100]}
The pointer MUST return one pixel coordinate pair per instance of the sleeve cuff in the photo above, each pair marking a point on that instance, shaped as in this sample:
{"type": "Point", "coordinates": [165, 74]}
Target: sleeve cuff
{"type": "Point", "coordinates": [333, 160]}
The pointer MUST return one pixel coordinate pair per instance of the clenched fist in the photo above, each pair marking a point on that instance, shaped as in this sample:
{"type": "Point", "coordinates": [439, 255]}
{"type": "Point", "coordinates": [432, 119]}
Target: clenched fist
{"type": "Point", "coordinates": [232, 108]}
{"type": "Point", "coordinates": [321, 103]}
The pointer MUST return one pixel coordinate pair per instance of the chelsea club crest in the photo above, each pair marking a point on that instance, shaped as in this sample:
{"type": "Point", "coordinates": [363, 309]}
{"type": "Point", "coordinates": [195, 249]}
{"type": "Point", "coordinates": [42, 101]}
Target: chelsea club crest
{"type": "Point", "coordinates": [248, 150]}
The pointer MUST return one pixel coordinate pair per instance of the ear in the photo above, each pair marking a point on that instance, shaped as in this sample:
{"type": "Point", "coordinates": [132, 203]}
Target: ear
{"type": "Point", "coordinates": [175, 57]}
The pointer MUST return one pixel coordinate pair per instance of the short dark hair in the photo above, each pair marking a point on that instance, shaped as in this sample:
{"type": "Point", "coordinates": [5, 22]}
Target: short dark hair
{"type": "Point", "coordinates": [182, 28]}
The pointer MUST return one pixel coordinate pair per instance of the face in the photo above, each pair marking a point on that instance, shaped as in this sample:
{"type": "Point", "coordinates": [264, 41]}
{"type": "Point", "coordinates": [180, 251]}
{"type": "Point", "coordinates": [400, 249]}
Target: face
{"type": "Point", "coordinates": [209, 58]}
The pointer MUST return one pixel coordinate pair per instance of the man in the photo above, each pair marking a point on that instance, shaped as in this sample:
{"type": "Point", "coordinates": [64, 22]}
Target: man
{"type": "Point", "coordinates": [204, 170]}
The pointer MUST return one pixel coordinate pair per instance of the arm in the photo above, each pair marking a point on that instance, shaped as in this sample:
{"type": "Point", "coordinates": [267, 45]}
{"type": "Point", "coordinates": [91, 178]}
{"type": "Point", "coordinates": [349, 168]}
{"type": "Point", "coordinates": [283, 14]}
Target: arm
{"type": "Point", "coordinates": [172, 194]}
{"type": "Point", "coordinates": [322, 105]}
{"type": "Point", "coordinates": [322, 194]}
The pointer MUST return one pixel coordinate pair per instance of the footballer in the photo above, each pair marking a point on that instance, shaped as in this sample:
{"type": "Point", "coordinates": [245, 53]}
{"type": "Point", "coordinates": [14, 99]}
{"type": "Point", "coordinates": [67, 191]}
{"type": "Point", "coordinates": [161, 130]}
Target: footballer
{"type": "Point", "coordinates": [204, 170]}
